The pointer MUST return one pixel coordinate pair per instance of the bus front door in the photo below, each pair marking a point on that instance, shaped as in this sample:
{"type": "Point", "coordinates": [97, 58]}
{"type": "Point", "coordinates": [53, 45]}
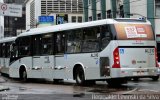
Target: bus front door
{"type": "Point", "coordinates": [43, 60]}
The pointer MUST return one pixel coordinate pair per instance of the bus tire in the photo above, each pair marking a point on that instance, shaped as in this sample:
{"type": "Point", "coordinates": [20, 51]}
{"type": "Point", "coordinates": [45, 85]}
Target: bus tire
{"type": "Point", "coordinates": [79, 76]}
{"type": "Point", "coordinates": [155, 78]}
{"type": "Point", "coordinates": [23, 75]}
{"type": "Point", "coordinates": [136, 79]}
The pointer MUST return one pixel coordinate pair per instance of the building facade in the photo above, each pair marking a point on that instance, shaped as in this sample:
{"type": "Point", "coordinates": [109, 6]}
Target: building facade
{"type": "Point", "coordinates": [63, 11]}
{"type": "Point", "coordinates": [14, 25]}
{"type": "Point", "coordinates": [101, 9]}
{"type": "Point", "coordinates": [1, 24]}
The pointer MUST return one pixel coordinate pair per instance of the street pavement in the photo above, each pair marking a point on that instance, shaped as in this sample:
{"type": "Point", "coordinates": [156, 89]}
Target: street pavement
{"type": "Point", "coordinates": [3, 88]}
{"type": "Point", "coordinates": [68, 90]}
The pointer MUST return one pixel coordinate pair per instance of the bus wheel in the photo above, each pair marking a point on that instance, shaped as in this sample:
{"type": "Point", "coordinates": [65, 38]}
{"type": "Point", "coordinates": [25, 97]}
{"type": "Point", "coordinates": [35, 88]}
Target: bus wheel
{"type": "Point", "coordinates": [23, 75]}
{"type": "Point", "coordinates": [136, 79]}
{"type": "Point", "coordinates": [155, 78]}
{"type": "Point", "coordinates": [80, 77]}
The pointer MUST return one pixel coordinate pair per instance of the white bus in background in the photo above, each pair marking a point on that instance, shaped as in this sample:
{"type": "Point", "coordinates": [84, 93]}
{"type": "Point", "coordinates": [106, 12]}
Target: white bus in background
{"type": "Point", "coordinates": [158, 46]}
{"type": "Point", "coordinates": [158, 51]}
{"type": "Point", "coordinates": [112, 49]}
{"type": "Point", "coordinates": [5, 44]}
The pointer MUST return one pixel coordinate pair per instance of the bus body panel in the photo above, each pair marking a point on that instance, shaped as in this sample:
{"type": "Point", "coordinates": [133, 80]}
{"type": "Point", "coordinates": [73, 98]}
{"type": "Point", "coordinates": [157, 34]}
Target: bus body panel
{"type": "Point", "coordinates": [43, 70]}
{"type": "Point", "coordinates": [43, 66]}
{"type": "Point", "coordinates": [65, 64]}
{"type": "Point", "coordinates": [137, 59]}
{"type": "Point", "coordinates": [133, 72]}
{"type": "Point", "coordinates": [15, 66]}
{"type": "Point", "coordinates": [5, 44]}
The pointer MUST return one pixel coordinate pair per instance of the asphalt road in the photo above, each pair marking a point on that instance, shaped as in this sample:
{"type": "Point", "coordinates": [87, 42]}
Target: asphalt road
{"type": "Point", "coordinates": [68, 90]}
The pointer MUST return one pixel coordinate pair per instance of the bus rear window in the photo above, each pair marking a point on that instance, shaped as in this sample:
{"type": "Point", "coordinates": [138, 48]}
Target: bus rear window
{"type": "Point", "coordinates": [134, 32]}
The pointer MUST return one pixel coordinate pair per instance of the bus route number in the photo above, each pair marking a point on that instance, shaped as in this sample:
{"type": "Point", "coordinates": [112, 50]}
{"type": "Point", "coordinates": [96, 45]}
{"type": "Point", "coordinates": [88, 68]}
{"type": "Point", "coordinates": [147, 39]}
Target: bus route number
{"type": "Point", "coordinates": [94, 55]}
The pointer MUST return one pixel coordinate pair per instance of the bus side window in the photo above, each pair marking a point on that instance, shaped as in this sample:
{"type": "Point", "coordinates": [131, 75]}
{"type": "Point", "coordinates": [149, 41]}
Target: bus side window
{"type": "Point", "coordinates": [105, 36]}
{"type": "Point", "coordinates": [74, 41]}
{"type": "Point", "coordinates": [90, 39]}
{"type": "Point", "coordinates": [47, 44]}
{"type": "Point", "coordinates": [60, 43]}
{"type": "Point", "coordinates": [14, 50]}
{"type": "Point", "coordinates": [36, 45]}
{"type": "Point", "coordinates": [8, 50]}
{"type": "Point", "coordinates": [24, 46]}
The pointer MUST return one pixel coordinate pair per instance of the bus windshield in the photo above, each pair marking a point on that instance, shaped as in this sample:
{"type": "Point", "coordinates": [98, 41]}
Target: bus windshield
{"type": "Point", "coordinates": [134, 32]}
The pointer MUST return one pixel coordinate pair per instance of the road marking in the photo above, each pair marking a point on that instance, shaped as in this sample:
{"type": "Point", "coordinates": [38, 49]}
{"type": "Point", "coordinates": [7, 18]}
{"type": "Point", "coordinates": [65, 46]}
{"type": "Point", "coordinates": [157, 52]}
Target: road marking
{"type": "Point", "coordinates": [126, 92]}
{"type": "Point", "coordinates": [148, 90]}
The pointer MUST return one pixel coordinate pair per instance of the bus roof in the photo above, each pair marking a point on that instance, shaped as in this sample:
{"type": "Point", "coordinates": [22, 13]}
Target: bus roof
{"type": "Point", "coordinates": [68, 26]}
{"type": "Point", "coordinates": [7, 39]}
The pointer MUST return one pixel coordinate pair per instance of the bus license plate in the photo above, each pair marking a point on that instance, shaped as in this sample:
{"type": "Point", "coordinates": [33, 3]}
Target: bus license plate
{"type": "Point", "coordinates": [140, 73]}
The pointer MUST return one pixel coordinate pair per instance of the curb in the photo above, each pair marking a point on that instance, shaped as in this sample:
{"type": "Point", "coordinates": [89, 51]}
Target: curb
{"type": "Point", "coordinates": [3, 88]}
{"type": "Point", "coordinates": [2, 80]}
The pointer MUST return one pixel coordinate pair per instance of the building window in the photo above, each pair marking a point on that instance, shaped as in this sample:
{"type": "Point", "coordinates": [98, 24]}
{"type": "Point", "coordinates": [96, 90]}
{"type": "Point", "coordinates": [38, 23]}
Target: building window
{"type": "Point", "coordinates": [99, 16]}
{"type": "Point", "coordinates": [157, 8]}
{"type": "Point", "coordinates": [90, 18]}
{"type": "Point", "coordinates": [63, 6]}
{"type": "Point", "coordinates": [80, 19]}
{"type": "Point", "coordinates": [121, 12]}
{"type": "Point", "coordinates": [73, 18]}
{"type": "Point", "coordinates": [109, 14]}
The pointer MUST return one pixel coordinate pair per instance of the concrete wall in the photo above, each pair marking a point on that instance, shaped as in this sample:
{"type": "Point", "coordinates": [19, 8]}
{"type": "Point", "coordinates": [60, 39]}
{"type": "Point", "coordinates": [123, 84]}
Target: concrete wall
{"type": "Point", "coordinates": [98, 4]}
{"type": "Point", "coordinates": [89, 10]}
{"type": "Point", "coordinates": [139, 7]}
{"type": "Point", "coordinates": [108, 5]}
{"type": "Point", "coordinates": [1, 24]}
{"type": "Point", "coordinates": [28, 14]}
{"type": "Point", "coordinates": [38, 13]}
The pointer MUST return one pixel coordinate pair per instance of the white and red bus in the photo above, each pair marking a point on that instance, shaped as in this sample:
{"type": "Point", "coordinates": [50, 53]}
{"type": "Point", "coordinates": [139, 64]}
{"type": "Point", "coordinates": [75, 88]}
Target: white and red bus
{"type": "Point", "coordinates": [158, 46]}
{"type": "Point", "coordinates": [158, 50]}
{"type": "Point", "coordinates": [110, 49]}
{"type": "Point", "coordinates": [5, 52]}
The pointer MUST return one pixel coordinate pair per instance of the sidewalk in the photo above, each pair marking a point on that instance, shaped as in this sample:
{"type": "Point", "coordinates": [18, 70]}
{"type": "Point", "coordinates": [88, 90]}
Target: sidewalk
{"type": "Point", "coordinates": [2, 88]}
{"type": "Point", "coordinates": [1, 79]}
